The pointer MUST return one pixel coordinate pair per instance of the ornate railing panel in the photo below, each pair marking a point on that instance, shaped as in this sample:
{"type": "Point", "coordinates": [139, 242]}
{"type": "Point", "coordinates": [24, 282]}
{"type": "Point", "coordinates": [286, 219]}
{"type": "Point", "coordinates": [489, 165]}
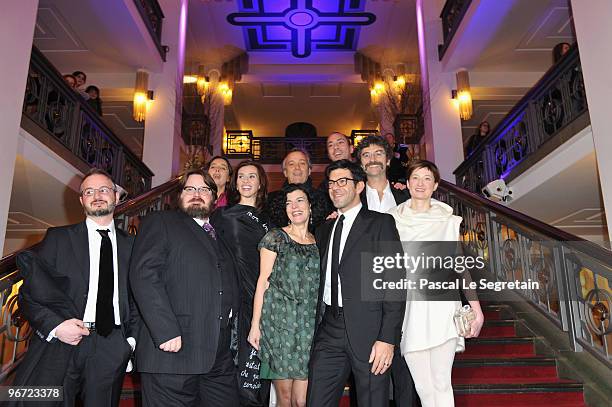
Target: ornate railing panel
{"type": "Point", "coordinates": [272, 150]}
{"type": "Point", "coordinates": [14, 330]}
{"type": "Point", "coordinates": [574, 275]}
{"type": "Point", "coordinates": [65, 116]}
{"type": "Point", "coordinates": [451, 16]}
{"type": "Point", "coordinates": [153, 17]}
{"type": "Point", "coordinates": [541, 115]}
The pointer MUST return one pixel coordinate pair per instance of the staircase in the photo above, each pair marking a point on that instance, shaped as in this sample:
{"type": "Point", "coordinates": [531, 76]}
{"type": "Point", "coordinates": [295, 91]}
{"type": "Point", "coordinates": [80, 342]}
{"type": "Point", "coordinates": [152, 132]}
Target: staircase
{"type": "Point", "coordinates": [501, 368]}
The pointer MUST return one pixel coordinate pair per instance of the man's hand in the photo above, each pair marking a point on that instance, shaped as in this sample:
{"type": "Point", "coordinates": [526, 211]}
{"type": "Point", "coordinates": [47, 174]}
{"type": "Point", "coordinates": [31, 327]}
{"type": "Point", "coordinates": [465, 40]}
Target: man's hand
{"type": "Point", "coordinates": [399, 185]}
{"type": "Point", "coordinates": [173, 345]}
{"type": "Point", "coordinates": [381, 357]}
{"type": "Point", "coordinates": [71, 331]}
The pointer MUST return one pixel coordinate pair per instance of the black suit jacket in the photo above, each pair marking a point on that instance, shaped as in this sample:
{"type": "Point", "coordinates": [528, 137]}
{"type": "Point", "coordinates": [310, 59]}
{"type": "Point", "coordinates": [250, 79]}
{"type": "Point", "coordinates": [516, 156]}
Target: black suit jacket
{"type": "Point", "coordinates": [55, 288]}
{"type": "Point", "coordinates": [366, 321]}
{"type": "Point", "coordinates": [400, 196]}
{"type": "Point", "coordinates": [176, 277]}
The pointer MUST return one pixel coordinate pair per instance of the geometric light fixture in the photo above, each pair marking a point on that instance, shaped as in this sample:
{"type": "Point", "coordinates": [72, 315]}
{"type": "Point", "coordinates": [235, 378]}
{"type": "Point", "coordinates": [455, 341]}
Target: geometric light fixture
{"type": "Point", "coordinates": [141, 95]}
{"type": "Point", "coordinates": [464, 95]}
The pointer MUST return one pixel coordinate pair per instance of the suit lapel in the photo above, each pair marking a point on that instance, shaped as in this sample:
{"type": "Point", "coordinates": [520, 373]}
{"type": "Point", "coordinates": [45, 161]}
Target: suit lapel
{"type": "Point", "coordinates": [202, 236]}
{"type": "Point", "coordinates": [80, 245]}
{"type": "Point", "coordinates": [357, 230]}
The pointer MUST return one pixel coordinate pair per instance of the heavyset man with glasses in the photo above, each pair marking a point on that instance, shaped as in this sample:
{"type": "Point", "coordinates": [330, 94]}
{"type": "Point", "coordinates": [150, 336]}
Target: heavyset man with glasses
{"type": "Point", "coordinates": [89, 262]}
{"type": "Point", "coordinates": [186, 289]}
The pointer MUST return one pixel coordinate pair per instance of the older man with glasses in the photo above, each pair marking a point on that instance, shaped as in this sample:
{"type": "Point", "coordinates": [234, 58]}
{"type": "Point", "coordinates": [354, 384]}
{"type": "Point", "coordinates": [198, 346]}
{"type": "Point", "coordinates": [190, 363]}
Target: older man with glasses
{"type": "Point", "coordinates": [77, 300]}
{"type": "Point", "coordinates": [185, 286]}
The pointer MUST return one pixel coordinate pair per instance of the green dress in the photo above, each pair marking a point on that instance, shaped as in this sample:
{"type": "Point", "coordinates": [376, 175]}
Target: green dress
{"type": "Point", "coordinates": [288, 315]}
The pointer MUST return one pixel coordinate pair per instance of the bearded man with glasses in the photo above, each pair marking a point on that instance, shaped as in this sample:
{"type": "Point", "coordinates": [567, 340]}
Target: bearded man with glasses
{"type": "Point", "coordinates": [75, 296]}
{"type": "Point", "coordinates": [185, 287]}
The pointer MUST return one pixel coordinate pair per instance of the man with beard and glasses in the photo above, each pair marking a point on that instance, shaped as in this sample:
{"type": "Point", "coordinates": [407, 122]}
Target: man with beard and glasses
{"type": "Point", "coordinates": [374, 155]}
{"type": "Point", "coordinates": [76, 298]}
{"type": "Point", "coordinates": [185, 287]}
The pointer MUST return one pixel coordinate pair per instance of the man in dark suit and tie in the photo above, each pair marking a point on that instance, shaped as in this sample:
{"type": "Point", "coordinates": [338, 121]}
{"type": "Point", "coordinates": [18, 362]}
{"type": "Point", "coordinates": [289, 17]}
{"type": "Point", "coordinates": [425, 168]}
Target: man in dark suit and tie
{"type": "Point", "coordinates": [352, 334]}
{"type": "Point", "coordinates": [88, 352]}
{"type": "Point", "coordinates": [186, 290]}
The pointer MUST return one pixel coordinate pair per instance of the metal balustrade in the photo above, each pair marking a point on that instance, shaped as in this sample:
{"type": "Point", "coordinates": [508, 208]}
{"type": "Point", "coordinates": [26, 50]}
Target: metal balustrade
{"type": "Point", "coordinates": [58, 111]}
{"type": "Point", "coordinates": [574, 275]}
{"type": "Point", "coordinates": [153, 17]}
{"type": "Point", "coordinates": [556, 103]}
{"type": "Point", "coordinates": [452, 14]}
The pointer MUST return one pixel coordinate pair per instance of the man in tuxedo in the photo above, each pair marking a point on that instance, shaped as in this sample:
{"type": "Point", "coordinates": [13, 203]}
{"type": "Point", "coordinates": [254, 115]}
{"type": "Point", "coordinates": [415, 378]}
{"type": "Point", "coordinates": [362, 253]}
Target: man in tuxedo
{"type": "Point", "coordinates": [186, 289]}
{"type": "Point", "coordinates": [374, 155]}
{"type": "Point", "coordinates": [88, 352]}
{"type": "Point", "coordinates": [352, 334]}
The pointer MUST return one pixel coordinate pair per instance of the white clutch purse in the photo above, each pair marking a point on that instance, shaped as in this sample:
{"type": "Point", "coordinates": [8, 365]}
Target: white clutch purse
{"type": "Point", "coordinates": [463, 320]}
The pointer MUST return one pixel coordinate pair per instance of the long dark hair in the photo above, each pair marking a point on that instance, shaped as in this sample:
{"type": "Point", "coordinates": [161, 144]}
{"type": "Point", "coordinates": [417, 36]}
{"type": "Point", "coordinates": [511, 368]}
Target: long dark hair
{"type": "Point", "coordinates": [233, 196]}
{"type": "Point", "coordinates": [229, 169]}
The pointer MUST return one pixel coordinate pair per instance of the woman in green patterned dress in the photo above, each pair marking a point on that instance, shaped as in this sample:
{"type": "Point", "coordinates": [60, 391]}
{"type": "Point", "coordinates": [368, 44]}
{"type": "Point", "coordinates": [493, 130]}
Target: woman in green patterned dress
{"type": "Point", "coordinates": [285, 301]}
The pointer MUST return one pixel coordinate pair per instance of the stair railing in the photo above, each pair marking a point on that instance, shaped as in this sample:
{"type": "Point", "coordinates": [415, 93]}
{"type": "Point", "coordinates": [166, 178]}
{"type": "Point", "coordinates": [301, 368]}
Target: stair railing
{"type": "Point", "coordinates": [574, 275]}
{"type": "Point", "coordinates": [14, 329]}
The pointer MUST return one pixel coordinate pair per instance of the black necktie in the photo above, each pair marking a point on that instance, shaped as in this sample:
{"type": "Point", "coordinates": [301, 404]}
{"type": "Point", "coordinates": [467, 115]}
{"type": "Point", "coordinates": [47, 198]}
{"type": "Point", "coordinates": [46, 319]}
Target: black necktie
{"type": "Point", "coordinates": [105, 315]}
{"type": "Point", "coordinates": [335, 265]}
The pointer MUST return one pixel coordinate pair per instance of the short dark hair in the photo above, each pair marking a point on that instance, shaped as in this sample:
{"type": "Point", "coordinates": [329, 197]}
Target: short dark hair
{"type": "Point", "coordinates": [262, 194]}
{"type": "Point", "coordinates": [210, 183]}
{"type": "Point", "coordinates": [373, 141]}
{"type": "Point", "coordinates": [75, 73]}
{"type": "Point", "coordinates": [96, 171]}
{"type": "Point", "coordinates": [357, 172]}
{"type": "Point", "coordinates": [418, 164]}
{"type": "Point", "coordinates": [92, 87]}
{"type": "Point", "coordinates": [289, 188]}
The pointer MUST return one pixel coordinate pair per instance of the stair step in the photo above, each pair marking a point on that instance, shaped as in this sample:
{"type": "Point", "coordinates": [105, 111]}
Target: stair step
{"type": "Point", "coordinates": [497, 347]}
{"type": "Point", "coordinates": [521, 370]}
{"type": "Point", "coordinates": [519, 395]}
{"type": "Point", "coordinates": [498, 328]}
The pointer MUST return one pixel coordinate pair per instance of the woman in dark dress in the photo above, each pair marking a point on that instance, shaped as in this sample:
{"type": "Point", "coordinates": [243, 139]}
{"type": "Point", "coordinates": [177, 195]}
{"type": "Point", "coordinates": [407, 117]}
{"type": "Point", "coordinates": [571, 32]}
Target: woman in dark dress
{"type": "Point", "coordinates": [240, 227]}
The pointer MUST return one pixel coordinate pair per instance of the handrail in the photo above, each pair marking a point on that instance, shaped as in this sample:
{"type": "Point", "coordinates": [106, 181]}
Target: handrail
{"type": "Point", "coordinates": [555, 101]}
{"type": "Point", "coordinates": [67, 120]}
{"type": "Point", "coordinates": [519, 218]}
{"type": "Point", "coordinates": [452, 14]}
{"type": "Point", "coordinates": [13, 330]}
{"type": "Point", "coordinates": [574, 276]}
{"type": "Point", "coordinates": [153, 17]}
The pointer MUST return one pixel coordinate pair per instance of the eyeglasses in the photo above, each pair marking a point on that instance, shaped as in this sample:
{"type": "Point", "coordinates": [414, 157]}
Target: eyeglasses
{"type": "Point", "coordinates": [201, 190]}
{"type": "Point", "coordinates": [341, 182]}
{"type": "Point", "coordinates": [89, 192]}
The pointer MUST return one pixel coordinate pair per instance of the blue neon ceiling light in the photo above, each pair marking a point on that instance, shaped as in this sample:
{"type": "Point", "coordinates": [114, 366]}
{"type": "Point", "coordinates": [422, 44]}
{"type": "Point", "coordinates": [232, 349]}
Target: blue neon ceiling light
{"type": "Point", "coordinates": [301, 26]}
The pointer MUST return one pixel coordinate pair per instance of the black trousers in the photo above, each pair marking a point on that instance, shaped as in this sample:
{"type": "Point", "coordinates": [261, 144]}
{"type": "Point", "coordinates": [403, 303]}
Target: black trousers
{"type": "Point", "coordinates": [217, 388]}
{"type": "Point", "coordinates": [96, 370]}
{"type": "Point", "coordinates": [332, 362]}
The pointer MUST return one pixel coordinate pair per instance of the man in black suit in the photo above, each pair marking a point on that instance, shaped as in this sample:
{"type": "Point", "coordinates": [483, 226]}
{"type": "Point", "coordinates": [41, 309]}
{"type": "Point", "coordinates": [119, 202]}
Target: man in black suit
{"type": "Point", "coordinates": [352, 334]}
{"type": "Point", "coordinates": [88, 352]}
{"type": "Point", "coordinates": [374, 155]}
{"type": "Point", "coordinates": [186, 289]}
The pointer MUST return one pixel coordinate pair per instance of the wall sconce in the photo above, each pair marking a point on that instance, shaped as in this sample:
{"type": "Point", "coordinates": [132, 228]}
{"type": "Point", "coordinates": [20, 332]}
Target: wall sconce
{"type": "Point", "coordinates": [226, 92]}
{"type": "Point", "coordinates": [463, 95]}
{"type": "Point", "coordinates": [399, 83]}
{"type": "Point", "coordinates": [203, 81]}
{"type": "Point", "coordinates": [142, 96]}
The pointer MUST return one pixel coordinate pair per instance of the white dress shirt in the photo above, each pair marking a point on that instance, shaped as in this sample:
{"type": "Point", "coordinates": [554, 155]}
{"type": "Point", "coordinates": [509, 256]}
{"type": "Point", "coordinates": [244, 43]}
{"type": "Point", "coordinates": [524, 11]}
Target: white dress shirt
{"type": "Point", "coordinates": [95, 241]}
{"type": "Point", "coordinates": [349, 219]}
{"type": "Point", "coordinates": [377, 204]}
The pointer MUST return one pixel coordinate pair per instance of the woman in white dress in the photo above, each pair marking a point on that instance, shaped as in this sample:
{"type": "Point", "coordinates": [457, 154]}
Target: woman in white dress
{"type": "Point", "coordinates": [429, 337]}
